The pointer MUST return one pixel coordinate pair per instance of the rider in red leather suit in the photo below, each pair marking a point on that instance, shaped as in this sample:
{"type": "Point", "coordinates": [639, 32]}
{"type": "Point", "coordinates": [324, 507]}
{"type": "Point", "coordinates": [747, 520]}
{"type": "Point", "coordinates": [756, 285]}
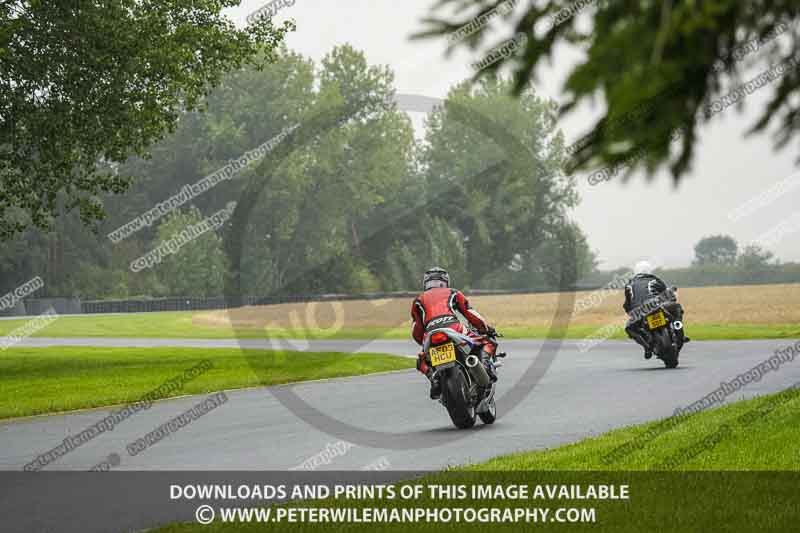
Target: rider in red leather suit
{"type": "Point", "coordinates": [436, 308]}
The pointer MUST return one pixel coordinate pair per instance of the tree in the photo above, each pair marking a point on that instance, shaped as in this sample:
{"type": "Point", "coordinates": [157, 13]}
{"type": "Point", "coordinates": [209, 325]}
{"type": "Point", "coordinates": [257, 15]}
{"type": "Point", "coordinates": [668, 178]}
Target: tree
{"type": "Point", "coordinates": [248, 108]}
{"type": "Point", "coordinates": [716, 250]}
{"type": "Point", "coordinates": [317, 194]}
{"type": "Point", "coordinates": [754, 258]}
{"type": "Point", "coordinates": [346, 202]}
{"type": "Point", "coordinates": [562, 258]}
{"type": "Point", "coordinates": [498, 160]}
{"type": "Point", "coordinates": [685, 67]}
{"type": "Point", "coordinates": [85, 84]}
{"type": "Point", "coordinates": [198, 268]}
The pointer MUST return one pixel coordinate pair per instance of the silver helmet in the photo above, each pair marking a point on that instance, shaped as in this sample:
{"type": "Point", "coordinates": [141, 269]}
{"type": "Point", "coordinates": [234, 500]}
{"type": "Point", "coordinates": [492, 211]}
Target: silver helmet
{"type": "Point", "coordinates": [435, 277]}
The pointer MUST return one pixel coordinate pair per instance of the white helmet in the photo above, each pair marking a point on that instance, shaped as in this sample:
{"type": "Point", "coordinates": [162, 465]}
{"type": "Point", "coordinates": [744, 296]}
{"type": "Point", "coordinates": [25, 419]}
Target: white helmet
{"type": "Point", "coordinates": [643, 267]}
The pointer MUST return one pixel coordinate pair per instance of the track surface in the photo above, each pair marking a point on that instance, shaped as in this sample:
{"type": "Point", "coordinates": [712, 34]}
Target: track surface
{"type": "Point", "coordinates": [582, 394]}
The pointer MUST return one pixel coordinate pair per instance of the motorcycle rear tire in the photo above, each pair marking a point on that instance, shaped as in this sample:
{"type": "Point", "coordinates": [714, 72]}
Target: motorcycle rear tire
{"type": "Point", "coordinates": [665, 349]}
{"type": "Point", "coordinates": [457, 400]}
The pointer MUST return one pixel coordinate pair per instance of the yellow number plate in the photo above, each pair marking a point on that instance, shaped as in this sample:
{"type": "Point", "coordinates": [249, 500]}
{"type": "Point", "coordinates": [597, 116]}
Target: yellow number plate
{"type": "Point", "coordinates": [656, 320]}
{"type": "Point", "coordinates": [445, 353]}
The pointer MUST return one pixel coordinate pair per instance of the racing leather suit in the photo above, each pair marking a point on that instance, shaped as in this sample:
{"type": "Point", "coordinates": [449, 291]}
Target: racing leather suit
{"type": "Point", "coordinates": [639, 290]}
{"type": "Point", "coordinates": [437, 308]}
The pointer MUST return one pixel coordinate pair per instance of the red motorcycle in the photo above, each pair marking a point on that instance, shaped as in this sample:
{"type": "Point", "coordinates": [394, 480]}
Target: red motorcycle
{"type": "Point", "coordinates": [463, 364]}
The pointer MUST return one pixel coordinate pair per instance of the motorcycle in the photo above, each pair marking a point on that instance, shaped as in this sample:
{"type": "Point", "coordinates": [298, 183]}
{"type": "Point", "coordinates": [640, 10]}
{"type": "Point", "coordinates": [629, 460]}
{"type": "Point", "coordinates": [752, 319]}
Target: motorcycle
{"type": "Point", "coordinates": [665, 329]}
{"type": "Point", "coordinates": [467, 390]}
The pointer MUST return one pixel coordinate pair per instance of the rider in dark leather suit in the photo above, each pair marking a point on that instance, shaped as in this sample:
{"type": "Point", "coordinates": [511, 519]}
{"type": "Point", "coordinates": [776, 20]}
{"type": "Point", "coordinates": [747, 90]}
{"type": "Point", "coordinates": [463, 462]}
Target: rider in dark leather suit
{"type": "Point", "coordinates": [643, 287]}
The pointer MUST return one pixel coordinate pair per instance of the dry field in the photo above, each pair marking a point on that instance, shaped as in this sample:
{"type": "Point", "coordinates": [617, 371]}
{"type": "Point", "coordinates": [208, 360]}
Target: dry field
{"type": "Point", "coordinates": [755, 304]}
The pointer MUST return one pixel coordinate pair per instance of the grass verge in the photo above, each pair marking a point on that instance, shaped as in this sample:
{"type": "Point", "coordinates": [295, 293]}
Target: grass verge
{"type": "Point", "coordinates": [700, 332]}
{"type": "Point", "coordinates": [757, 434]}
{"type": "Point", "coordinates": [46, 380]}
{"type": "Point", "coordinates": [179, 325]}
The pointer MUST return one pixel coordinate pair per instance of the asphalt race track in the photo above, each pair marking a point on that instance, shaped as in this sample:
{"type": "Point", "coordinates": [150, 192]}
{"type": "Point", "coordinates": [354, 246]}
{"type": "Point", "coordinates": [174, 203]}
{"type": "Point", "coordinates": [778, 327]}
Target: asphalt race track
{"type": "Point", "coordinates": [581, 394]}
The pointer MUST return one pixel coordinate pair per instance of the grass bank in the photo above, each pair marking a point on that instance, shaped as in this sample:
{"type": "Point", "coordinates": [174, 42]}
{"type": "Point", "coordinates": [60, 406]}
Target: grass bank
{"type": "Point", "coordinates": [757, 434]}
{"type": "Point", "coordinates": [46, 380]}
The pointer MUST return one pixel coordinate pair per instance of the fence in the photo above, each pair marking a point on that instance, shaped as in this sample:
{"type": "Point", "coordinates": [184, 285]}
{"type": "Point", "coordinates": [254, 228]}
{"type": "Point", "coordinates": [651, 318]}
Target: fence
{"type": "Point", "coordinates": [31, 307]}
{"type": "Point", "coordinates": [37, 306]}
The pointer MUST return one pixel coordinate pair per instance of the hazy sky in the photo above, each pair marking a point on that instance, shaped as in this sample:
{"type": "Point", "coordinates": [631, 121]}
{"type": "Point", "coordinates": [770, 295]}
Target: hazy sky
{"type": "Point", "coordinates": [624, 222]}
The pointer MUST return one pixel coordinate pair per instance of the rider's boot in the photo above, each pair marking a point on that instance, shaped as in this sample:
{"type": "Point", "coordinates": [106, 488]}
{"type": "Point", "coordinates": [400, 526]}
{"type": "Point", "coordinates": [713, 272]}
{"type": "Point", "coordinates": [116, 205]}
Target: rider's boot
{"type": "Point", "coordinates": [488, 363]}
{"type": "Point", "coordinates": [647, 345]}
{"type": "Point", "coordinates": [436, 384]}
{"type": "Point", "coordinates": [489, 366]}
{"type": "Point", "coordinates": [682, 338]}
{"type": "Point", "coordinates": [641, 339]}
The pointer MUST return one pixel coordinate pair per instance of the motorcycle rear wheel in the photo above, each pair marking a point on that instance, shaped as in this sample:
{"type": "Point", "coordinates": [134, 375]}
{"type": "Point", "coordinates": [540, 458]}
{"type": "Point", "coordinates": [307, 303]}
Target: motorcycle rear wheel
{"type": "Point", "coordinates": [457, 400]}
{"type": "Point", "coordinates": [665, 349]}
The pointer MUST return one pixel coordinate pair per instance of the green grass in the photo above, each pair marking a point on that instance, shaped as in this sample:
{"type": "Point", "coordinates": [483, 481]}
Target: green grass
{"type": "Point", "coordinates": [762, 435]}
{"type": "Point", "coordinates": [46, 380]}
{"type": "Point", "coordinates": [174, 325]}
{"type": "Point", "coordinates": [178, 325]}
{"type": "Point", "coordinates": [707, 332]}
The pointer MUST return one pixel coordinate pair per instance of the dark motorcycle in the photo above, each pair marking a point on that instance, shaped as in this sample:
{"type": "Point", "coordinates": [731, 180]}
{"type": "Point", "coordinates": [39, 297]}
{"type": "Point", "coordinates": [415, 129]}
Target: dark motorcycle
{"type": "Point", "coordinates": [663, 327]}
{"type": "Point", "coordinates": [467, 389]}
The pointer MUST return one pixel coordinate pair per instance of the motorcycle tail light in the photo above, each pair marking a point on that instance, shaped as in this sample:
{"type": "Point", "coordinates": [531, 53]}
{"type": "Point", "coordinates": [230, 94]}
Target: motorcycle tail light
{"type": "Point", "coordinates": [439, 338]}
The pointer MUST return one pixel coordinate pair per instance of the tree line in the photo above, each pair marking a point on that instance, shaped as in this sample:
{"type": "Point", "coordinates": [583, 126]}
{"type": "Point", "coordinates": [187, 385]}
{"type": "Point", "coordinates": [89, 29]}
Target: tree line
{"type": "Point", "coordinates": [350, 199]}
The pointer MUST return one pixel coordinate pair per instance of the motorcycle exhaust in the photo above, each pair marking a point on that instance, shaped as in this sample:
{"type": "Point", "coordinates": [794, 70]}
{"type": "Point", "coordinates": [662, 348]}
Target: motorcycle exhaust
{"type": "Point", "coordinates": [478, 371]}
{"type": "Point", "coordinates": [677, 325]}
